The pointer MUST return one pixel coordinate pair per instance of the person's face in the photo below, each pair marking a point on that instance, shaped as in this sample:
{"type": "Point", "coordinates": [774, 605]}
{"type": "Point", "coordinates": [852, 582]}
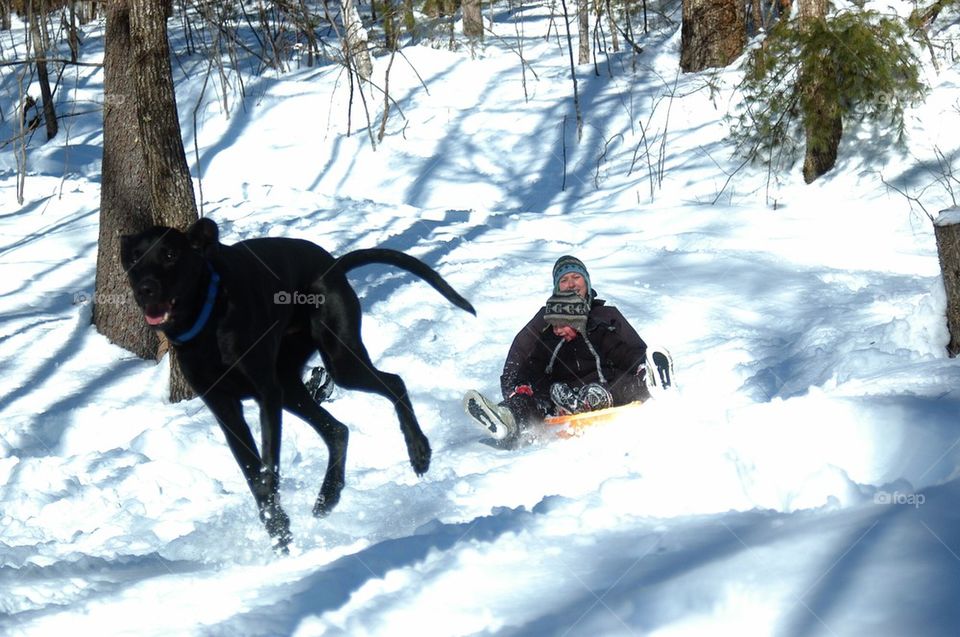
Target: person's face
{"type": "Point", "coordinates": [573, 282]}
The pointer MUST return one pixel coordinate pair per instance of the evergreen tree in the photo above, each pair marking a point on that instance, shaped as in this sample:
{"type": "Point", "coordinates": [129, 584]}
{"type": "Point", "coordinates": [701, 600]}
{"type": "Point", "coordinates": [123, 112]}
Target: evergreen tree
{"type": "Point", "coordinates": [864, 71]}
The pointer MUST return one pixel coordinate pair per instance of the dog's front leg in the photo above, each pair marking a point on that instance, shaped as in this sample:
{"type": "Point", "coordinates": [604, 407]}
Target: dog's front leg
{"type": "Point", "coordinates": [229, 414]}
{"type": "Point", "coordinates": [273, 516]}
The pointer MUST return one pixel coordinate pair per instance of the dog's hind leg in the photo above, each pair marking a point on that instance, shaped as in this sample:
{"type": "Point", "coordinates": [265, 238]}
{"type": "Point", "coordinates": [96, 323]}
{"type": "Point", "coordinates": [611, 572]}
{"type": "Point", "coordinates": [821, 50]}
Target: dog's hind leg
{"type": "Point", "coordinates": [367, 378]}
{"type": "Point", "coordinates": [297, 400]}
{"type": "Point", "coordinates": [335, 330]}
{"type": "Point", "coordinates": [351, 368]}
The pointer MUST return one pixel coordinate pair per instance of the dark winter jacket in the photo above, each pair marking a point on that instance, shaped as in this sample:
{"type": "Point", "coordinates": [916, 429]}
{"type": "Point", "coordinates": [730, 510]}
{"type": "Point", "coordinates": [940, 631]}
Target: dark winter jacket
{"type": "Point", "coordinates": [620, 348]}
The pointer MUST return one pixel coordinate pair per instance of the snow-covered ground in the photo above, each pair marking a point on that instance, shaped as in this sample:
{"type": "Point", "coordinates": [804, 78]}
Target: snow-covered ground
{"type": "Point", "coordinates": [801, 480]}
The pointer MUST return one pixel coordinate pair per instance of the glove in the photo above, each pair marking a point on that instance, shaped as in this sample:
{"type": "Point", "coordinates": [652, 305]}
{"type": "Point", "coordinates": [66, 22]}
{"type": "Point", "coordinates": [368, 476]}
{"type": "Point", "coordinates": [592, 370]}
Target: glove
{"type": "Point", "coordinates": [522, 390]}
{"type": "Point", "coordinates": [594, 396]}
{"type": "Point", "coordinates": [564, 398]}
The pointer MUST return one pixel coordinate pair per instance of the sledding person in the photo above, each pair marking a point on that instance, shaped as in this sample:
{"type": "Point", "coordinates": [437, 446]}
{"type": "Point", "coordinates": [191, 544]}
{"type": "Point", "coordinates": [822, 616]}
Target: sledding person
{"type": "Point", "coordinates": [577, 354]}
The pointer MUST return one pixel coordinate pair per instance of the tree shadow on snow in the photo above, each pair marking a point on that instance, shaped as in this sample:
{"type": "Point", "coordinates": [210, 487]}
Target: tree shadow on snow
{"type": "Point", "coordinates": [102, 578]}
{"type": "Point", "coordinates": [897, 573]}
{"type": "Point", "coordinates": [332, 587]}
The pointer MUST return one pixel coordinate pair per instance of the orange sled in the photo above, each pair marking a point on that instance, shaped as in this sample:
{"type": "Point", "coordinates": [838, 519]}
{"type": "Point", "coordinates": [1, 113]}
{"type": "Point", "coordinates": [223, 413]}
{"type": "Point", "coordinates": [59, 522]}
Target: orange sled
{"type": "Point", "coordinates": [572, 425]}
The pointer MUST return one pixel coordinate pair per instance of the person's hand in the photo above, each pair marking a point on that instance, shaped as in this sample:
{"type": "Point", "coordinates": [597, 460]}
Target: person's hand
{"type": "Point", "coordinates": [565, 332]}
{"type": "Point", "coordinates": [522, 390]}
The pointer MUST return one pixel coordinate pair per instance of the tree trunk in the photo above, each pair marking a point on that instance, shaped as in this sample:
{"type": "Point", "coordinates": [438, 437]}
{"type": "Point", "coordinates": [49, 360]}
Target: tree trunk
{"type": "Point", "coordinates": [946, 228]}
{"type": "Point", "coordinates": [472, 19]}
{"type": "Point", "coordinates": [612, 25]}
{"type": "Point", "coordinates": [124, 191]}
{"type": "Point", "coordinates": [713, 33]}
{"type": "Point", "coordinates": [39, 46]}
{"type": "Point", "coordinates": [410, 20]}
{"type": "Point", "coordinates": [391, 31]}
{"type": "Point", "coordinates": [583, 31]}
{"type": "Point", "coordinates": [355, 45]}
{"type": "Point", "coordinates": [5, 20]}
{"type": "Point", "coordinates": [824, 128]}
{"type": "Point", "coordinates": [823, 121]}
{"type": "Point", "coordinates": [171, 189]}
{"type": "Point", "coordinates": [145, 180]}
{"type": "Point", "coordinates": [73, 40]}
{"type": "Point", "coordinates": [756, 11]}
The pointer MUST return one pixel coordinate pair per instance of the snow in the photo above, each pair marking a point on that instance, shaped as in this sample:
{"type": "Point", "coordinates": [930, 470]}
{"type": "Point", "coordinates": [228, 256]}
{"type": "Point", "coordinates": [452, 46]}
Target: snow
{"type": "Point", "coordinates": [948, 217]}
{"type": "Point", "coordinates": [801, 480]}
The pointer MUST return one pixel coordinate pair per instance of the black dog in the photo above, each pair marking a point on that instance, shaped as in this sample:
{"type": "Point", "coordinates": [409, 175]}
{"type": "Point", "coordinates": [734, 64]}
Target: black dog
{"type": "Point", "coordinates": [244, 320]}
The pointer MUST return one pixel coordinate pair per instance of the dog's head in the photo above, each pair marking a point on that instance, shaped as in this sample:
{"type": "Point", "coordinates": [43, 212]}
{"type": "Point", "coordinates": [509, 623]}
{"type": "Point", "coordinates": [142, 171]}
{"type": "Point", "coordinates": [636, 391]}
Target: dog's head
{"type": "Point", "coordinates": [167, 270]}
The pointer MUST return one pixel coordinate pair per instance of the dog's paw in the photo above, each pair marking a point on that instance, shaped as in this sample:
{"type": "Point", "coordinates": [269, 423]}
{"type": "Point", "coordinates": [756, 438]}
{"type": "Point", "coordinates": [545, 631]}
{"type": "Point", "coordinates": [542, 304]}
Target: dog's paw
{"type": "Point", "coordinates": [281, 545]}
{"type": "Point", "coordinates": [420, 457]}
{"type": "Point", "coordinates": [278, 526]}
{"type": "Point", "coordinates": [324, 505]}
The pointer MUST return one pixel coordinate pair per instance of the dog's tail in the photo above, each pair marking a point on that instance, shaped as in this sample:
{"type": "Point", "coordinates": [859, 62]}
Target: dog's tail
{"type": "Point", "coordinates": [370, 256]}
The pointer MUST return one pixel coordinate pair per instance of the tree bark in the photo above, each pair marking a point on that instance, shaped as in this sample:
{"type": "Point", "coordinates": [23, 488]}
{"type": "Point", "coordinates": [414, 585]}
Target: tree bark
{"type": "Point", "coordinates": [823, 121]}
{"type": "Point", "coordinates": [73, 40]}
{"type": "Point", "coordinates": [410, 20]}
{"type": "Point", "coordinates": [124, 191]}
{"type": "Point", "coordinates": [583, 31]}
{"type": "Point", "coordinates": [472, 19]}
{"type": "Point", "coordinates": [355, 40]}
{"type": "Point", "coordinates": [168, 175]}
{"type": "Point", "coordinates": [713, 33]}
{"type": "Point", "coordinates": [171, 189]}
{"type": "Point", "coordinates": [756, 10]}
{"type": "Point", "coordinates": [612, 25]}
{"type": "Point", "coordinates": [946, 228]}
{"type": "Point", "coordinates": [39, 46]}
{"type": "Point", "coordinates": [391, 25]}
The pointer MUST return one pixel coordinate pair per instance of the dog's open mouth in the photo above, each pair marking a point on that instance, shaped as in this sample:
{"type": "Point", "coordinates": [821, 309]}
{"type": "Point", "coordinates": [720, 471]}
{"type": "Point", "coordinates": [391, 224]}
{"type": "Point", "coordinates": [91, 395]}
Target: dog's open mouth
{"type": "Point", "coordinates": [157, 313]}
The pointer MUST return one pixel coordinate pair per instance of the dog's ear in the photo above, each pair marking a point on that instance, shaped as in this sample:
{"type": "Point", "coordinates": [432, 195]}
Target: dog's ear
{"type": "Point", "coordinates": [204, 237]}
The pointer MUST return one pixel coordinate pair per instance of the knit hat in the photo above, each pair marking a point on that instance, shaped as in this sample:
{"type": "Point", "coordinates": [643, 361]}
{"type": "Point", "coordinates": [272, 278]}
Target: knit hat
{"type": "Point", "coordinates": [567, 308]}
{"type": "Point", "coordinates": [565, 265]}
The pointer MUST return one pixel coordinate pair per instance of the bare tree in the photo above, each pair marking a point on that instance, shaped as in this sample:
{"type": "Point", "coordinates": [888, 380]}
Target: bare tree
{"type": "Point", "coordinates": [355, 39]}
{"type": "Point", "coordinates": [73, 37]}
{"type": "Point", "coordinates": [713, 33]}
{"type": "Point", "coordinates": [583, 31]}
{"type": "Point", "coordinates": [573, 76]}
{"type": "Point", "coordinates": [472, 19]}
{"type": "Point", "coordinates": [612, 25]}
{"type": "Point", "coordinates": [39, 44]}
{"type": "Point", "coordinates": [143, 150]}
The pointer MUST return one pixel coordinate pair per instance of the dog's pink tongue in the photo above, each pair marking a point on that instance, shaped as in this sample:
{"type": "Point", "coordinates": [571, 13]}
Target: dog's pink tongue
{"type": "Point", "coordinates": [156, 314]}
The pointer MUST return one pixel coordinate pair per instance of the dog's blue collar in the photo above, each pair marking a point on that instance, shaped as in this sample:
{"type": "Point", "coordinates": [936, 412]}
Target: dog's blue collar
{"type": "Point", "coordinates": [205, 311]}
